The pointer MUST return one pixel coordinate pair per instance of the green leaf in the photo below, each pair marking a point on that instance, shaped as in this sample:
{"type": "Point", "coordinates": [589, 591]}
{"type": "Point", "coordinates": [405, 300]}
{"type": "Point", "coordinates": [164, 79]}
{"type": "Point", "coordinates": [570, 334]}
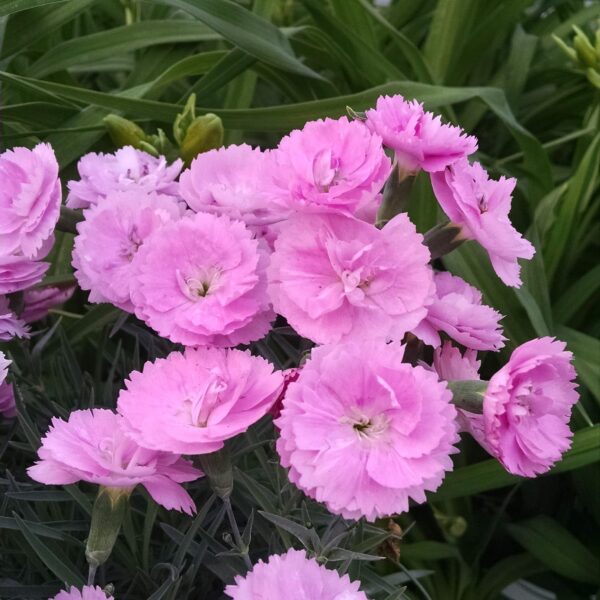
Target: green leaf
{"type": "Point", "coordinates": [581, 291]}
{"type": "Point", "coordinates": [505, 572]}
{"type": "Point", "coordinates": [8, 7]}
{"type": "Point", "coordinates": [586, 353]}
{"type": "Point", "coordinates": [549, 542]}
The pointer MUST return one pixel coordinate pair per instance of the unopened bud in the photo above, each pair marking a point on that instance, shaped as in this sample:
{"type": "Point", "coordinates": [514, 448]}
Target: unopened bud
{"type": "Point", "coordinates": [124, 132]}
{"type": "Point", "coordinates": [217, 467]}
{"type": "Point", "coordinates": [203, 134]}
{"type": "Point", "coordinates": [586, 53]}
{"type": "Point", "coordinates": [443, 239]}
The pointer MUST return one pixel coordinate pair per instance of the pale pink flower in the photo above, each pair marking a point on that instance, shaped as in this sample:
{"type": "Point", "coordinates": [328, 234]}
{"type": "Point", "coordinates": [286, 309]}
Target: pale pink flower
{"type": "Point", "coordinates": [527, 408]}
{"type": "Point", "coordinates": [334, 165]}
{"type": "Point", "coordinates": [7, 398]}
{"type": "Point", "coordinates": [30, 199]}
{"type": "Point", "coordinates": [457, 310]}
{"type": "Point", "coordinates": [202, 281]}
{"type": "Point", "coordinates": [92, 446]}
{"type": "Point", "coordinates": [480, 206]}
{"type": "Point", "coordinates": [38, 301]}
{"type": "Point", "coordinates": [333, 277]}
{"type": "Point", "coordinates": [10, 325]}
{"type": "Point", "coordinates": [451, 365]}
{"type": "Point", "coordinates": [126, 169]}
{"type": "Point", "coordinates": [293, 576]}
{"type": "Point", "coordinates": [109, 239]}
{"type": "Point", "coordinates": [206, 396]}
{"type": "Point", "coordinates": [364, 432]}
{"type": "Point", "coordinates": [234, 181]}
{"type": "Point", "coordinates": [419, 138]}
{"type": "Point", "coordinates": [87, 592]}
{"type": "Point", "coordinates": [19, 272]}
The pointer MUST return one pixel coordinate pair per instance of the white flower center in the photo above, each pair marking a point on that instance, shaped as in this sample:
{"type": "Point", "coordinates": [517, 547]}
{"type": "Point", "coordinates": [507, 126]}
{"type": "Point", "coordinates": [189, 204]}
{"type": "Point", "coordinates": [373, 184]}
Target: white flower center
{"type": "Point", "coordinates": [367, 428]}
{"type": "Point", "coordinates": [204, 400]}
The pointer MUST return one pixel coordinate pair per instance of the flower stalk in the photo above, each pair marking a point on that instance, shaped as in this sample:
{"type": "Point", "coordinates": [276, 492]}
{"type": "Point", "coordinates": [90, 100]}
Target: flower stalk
{"type": "Point", "coordinates": [468, 394]}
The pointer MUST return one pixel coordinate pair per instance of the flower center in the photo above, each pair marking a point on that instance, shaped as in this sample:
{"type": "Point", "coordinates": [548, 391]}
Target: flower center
{"type": "Point", "coordinates": [206, 398]}
{"type": "Point", "coordinates": [131, 245]}
{"type": "Point", "coordinates": [367, 428]}
{"type": "Point", "coordinates": [482, 204]}
{"type": "Point", "coordinates": [200, 284]}
{"type": "Point", "coordinates": [326, 170]}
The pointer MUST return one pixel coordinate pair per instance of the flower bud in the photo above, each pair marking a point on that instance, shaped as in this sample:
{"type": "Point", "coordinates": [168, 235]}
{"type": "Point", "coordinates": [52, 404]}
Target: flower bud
{"type": "Point", "coordinates": [107, 515]}
{"type": "Point", "coordinates": [586, 53]}
{"type": "Point", "coordinates": [443, 238]}
{"type": "Point", "coordinates": [204, 133]}
{"type": "Point", "coordinates": [217, 467]}
{"type": "Point", "coordinates": [124, 132]}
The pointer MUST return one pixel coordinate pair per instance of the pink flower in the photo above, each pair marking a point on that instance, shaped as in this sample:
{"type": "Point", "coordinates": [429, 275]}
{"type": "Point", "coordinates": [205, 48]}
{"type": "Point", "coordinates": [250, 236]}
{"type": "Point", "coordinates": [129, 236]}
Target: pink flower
{"type": "Point", "coordinates": [363, 432]}
{"type": "Point", "coordinates": [333, 165]}
{"type": "Point", "coordinates": [92, 446]}
{"type": "Point", "coordinates": [202, 281]}
{"type": "Point", "coordinates": [38, 301]}
{"type": "Point", "coordinates": [87, 592]}
{"type": "Point", "coordinates": [109, 239]}
{"type": "Point", "coordinates": [19, 272]}
{"type": "Point", "coordinates": [234, 181]}
{"type": "Point", "coordinates": [527, 408]}
{"type": "Point", "coordinates": [451, 365]}
{"type": "Point", "coordinates": [207, 395]}
{"type": "Point", "coordinates": [480, 206]}
{"type": "Point", "coordinates": [293, 576]}
{"type": "Point", "coordinates": [10, 325]}
{"type": "Point", "coordinates": [457, 310]}
{"type": "Point", "coordinates": [333, 277]}
{"type": "Point", "coordinates": [30, 199]}
{"type": "Point", "coordinates": [7, 398]}
{"type": "Point", "coordinates": [126, 169]}
{"type": "Point", "coordinates": [419, 138]}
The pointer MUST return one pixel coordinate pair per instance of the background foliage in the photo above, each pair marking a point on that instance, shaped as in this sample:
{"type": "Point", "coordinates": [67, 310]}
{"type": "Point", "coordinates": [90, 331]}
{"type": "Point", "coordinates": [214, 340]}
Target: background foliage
{"type": "Point", "coordinates": [265, 67]}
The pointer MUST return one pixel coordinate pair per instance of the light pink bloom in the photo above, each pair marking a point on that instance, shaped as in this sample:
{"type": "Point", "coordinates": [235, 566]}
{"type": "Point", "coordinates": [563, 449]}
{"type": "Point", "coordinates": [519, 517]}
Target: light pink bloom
{"type": "Point", "coordinates": [334, 165]}
{"type": "Point", "coordinates": [92, 446]}
{"type": "Point", "coordinates": [7, 398]}
{"type": "Point", "coordinates": [109, 238]}
{"type": "Point", "coordinates": [126, 169]}
{"type": "Point", "coordinates": [451, 365]}
{"type": "Point", "coordinates": [480, 206]}
{"type": "Point", "coordinates": [419, 138]}
{"type": "Point", "coordinates": [363, 432]}
{"type": "Point", "coordinates": [527, 408]}
{"type": "Point", "coordinates": [458, 311]}
{"type": "Point", "coordinates": [10, 325]}
{"type": "Point", "coordinates": [234, 181]}
{"type": "Point", "coordinates": [333, 277]}
{"type": "Point", "coordinates": [30, 199]}
{"type": "Point", "coordinates": [202, 281]}
{"type": "Point", "coordinates": [87, 592]}
{"type": "Point", "coordinates": [207, 395]}
{"type": "Point", "coordinates": [38, 301]}
{"type": "Point", "coordinates": [19, 272]}
{"type": "Point", "coordinates": [293, 576]}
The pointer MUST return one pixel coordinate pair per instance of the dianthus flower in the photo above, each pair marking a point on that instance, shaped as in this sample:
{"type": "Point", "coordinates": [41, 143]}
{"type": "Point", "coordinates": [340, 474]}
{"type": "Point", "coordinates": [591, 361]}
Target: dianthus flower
{"type": "Point", "coordinates": [234, 181]}
{"type": "Point", "coordinates": [126, 169]}
{"type": "Point", "coordinates": [87, 592]}
{"type": "Point", "coordinates": [30, 199]}
{"type": "Point", "coordinates": [19, 272]}
{"type": "Point", "coordinates": [451, 365]}
{"type": "Point", "coordinates": [336, 165]}
{"type": "Point", "coordinates": [109, 239]}
{"type": "Point", "coordinates": [333, 277]}
{"type": "Point", "coordinates": [10, 325]}
{"type": "Point", "coordinates": [419, 138]}
{"type": "Point", "coordinates": [202, 281]}
{"type": "Point", "coordinates": [480, 206]}
{"type": "Point", "coordinates": [527, 408]}
{"type": "Point", "coordinates": [364, 432]}
{"type": "Point", "coordinates": [207, 395]}
{"type": "Point", "coordinates": [92, 446]}
{"type": "Point", "coordinates": [7, 397]}
{"type": "Point", "coordinates": [293, 576]}
{"type": "Point", "coordinates": [38, 301]}
{"type": "Point", "coordinates": [457, 310]}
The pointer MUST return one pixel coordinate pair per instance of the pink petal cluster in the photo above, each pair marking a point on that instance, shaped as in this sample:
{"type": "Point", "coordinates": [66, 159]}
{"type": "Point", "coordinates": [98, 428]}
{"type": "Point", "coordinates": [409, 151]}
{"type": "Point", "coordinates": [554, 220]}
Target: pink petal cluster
{"type": "Point", "coordinates": [92, 446]}
{"type": "Point", "coordinates": [126, 169]}
{"type": "Point", "coordinates": [10, 325]}
{"type": "Point", "coordinates": [7, 399]}
{"type": "Point", "coordinates": [293, 576]}
{"type": "Point", "coordinates": [19, 272]}
{"type": "Point", "coordinates": [451, 365]}
{"type": "Point", "coordinates": [330, 164]}
{"type": "Point", "coordinates": [38, 301]}
{"type": "Point", "coordinates": [366, 435]}
{"type": "Point", "coordinates": [457, 310]}
{"type": "Point", "coordinates": [480, 206]}
{"type": "Point", "coordinates": [419, 138]}
{"type": "Point", "coordinates": [527, 408]}
{"type": "Point", "coordinates": [202, 281]}
{"type": "Point", "coordinates": [87, 592]}
{"type": "Point", "coordinates": [207, 395]}
{"type": "Point", "coordinates": [335, 277]}
{"type": "Point", "coordinates": [234, 181]}
{"type": "Point", "coordinates": [109, 238]}
{"type": "Point", "coordinates": [30, 198]}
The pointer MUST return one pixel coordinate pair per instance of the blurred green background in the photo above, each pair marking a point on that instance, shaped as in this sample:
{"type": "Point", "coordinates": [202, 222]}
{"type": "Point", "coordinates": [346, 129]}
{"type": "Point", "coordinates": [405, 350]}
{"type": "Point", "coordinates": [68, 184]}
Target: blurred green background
{"type": "Point", "coordinates": [522, 75]}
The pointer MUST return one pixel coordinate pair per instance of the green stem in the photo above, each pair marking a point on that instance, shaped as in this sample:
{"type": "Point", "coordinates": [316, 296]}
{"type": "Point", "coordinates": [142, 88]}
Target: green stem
{"type": "Point", "coordinates": [468, 394]}
{"type": "Point", "coordinates": [443, 238]}
{"type": "Point", "coordinates": [236, 532]}
{"type": "Point", "coordinates": [68, 220]}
